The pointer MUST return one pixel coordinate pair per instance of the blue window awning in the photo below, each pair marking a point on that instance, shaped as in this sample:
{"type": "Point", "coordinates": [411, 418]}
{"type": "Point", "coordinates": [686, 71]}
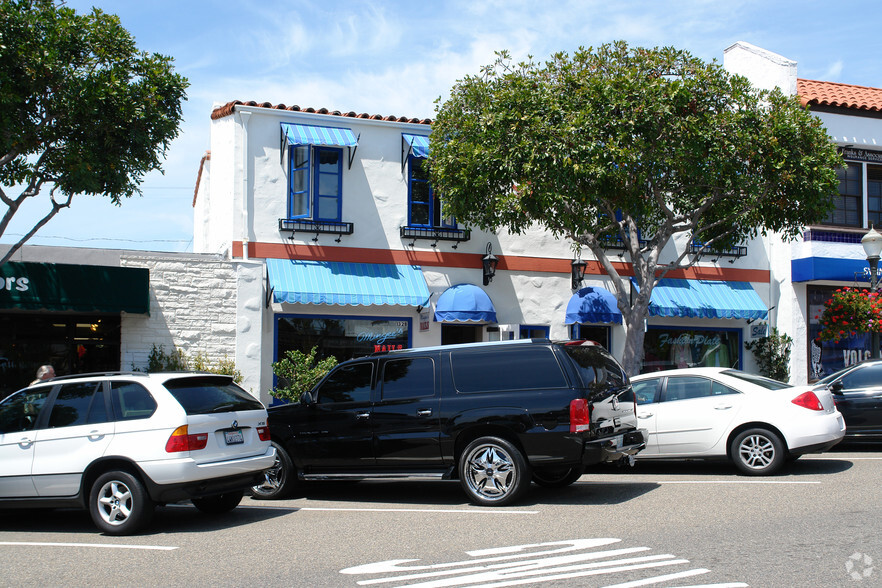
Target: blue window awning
{"type": "Point", "coordinates": [315, 135]}
{"type": "Point", "coordinates": [706, 299]}
{"type": "Point", "coordinates": [418, 144]}
{"type": "Point", "coordinates": [593, 305]}
{"type": "Point", "coordinates": [464, 303]}
{"type": "Point", "coordinates": [297, 281]}
{"type": "Point", "coordinates": [838, 269]}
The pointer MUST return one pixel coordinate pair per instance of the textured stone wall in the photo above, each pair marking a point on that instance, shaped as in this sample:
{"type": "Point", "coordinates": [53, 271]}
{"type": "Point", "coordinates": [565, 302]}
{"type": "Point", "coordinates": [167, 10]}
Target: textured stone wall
{"type": "Point", "coordinates": [193, 303]}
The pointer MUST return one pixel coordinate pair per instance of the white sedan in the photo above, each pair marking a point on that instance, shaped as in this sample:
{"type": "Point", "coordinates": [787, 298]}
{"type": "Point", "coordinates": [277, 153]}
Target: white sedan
{"type": "Point", "coordinates": [756, 422]}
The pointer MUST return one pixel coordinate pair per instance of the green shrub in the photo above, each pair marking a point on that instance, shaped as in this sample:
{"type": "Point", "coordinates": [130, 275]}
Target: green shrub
{"type": "Point", "coordinates": [299, 372]}
{"type": "Point", "coordinates": [772, 354]}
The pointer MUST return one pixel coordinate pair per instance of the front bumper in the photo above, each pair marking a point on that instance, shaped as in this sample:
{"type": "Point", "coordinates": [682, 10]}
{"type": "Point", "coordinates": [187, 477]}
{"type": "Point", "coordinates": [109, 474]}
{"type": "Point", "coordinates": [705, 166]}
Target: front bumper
{"type": "Point", "coordinates": [614, 448]}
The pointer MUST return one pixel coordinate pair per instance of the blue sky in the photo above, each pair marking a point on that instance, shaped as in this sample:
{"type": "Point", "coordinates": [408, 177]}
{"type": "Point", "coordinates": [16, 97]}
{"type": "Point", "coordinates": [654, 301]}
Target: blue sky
{"type": "Point", "coordinates": [397, 57]}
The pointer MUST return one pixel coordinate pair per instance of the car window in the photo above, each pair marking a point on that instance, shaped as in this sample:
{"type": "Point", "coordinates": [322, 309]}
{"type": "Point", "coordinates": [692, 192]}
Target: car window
{"type": "Point", "coordinates": [347, 383]}
{"type": "Point", "coordinates": [596, 366]}
{"type": "Point", "coordinates": [761, 381]}
{"type": "Point", "coordinates": [690, 387]}
{"type": "Point", "coordinates": [529, 368]}
{"type": "Point", "coordinates": [408, 378]}
{"type": "Point", "coordinates": [78, 404]}
{"type": "Point", "coordinates": [869, 376]}
{"type": "Point", "coordinates": [131, 401]}
{"type": "Point", "coordinates": [19, 412]}
{"type": "Point", "coordinates": [645, 390]}
{"type": "Point", "coordinates": [210, 394]}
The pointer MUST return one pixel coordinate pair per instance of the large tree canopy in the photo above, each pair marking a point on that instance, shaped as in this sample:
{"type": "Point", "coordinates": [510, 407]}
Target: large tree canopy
{"type": "Point", "coordinates": [82, 111]}
{"type": "Point", "coordinates": [632, 146]}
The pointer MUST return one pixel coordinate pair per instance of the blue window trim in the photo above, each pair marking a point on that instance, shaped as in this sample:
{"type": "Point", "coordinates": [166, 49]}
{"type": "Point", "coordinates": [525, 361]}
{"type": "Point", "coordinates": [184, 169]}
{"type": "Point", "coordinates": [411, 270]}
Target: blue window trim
{"type": "Point", "coordinates": [312, 169]}
{"type": "Point", "coordinates": [545, 328]}
{"type": "Point", "coordinates": [306, 168]}
{"type": "Point", "coordinates": [434, 223]}
{"type": "Point", "coordinates": [318, 174]}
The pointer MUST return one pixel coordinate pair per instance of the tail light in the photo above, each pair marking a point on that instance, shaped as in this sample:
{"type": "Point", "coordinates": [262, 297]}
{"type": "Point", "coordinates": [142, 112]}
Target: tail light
{"type": "Point", "coordinates": [808, 400]}
{"type": "Point", "coordinates": [263, 433]}
{"type": "Point", "coordinates": [181, 440]}
{"type": "Point", "coordinates": [580, 415]}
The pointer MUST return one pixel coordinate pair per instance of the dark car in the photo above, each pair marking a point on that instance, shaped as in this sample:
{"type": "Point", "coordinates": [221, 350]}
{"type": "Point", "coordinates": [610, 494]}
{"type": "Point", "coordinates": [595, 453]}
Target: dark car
{"type": "Point", "coordinates": [857, 392]}
{"type": "Point", "coordinates": [493, 415]}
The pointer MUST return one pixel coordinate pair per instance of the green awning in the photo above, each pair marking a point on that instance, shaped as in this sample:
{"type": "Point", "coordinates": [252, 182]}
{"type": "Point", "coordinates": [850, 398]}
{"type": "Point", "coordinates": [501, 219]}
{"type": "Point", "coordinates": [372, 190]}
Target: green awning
{"type": "Point", "coordinates": [80, 288]}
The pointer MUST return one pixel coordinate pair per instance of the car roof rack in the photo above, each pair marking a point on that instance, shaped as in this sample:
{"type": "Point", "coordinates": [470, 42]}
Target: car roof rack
{"type": "Point", "coordinates": [97, 375]}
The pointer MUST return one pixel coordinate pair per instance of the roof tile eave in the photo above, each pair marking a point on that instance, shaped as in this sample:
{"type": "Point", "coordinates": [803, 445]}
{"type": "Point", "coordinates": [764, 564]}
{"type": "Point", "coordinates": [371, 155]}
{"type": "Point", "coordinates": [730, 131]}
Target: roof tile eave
{"type": "Point", "coordinates": [229, 109]}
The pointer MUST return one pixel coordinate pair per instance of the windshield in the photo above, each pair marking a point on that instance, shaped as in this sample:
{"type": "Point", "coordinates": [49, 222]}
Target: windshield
{"type": "Point", "coordinates": [211, 394]}
{"type": "Point", "coordinates": [762, 381]}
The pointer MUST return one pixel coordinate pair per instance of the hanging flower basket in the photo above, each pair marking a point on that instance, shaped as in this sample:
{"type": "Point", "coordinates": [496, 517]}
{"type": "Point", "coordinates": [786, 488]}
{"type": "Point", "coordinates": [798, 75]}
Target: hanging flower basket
{"type": "Point", "coordinates": [850, 311]}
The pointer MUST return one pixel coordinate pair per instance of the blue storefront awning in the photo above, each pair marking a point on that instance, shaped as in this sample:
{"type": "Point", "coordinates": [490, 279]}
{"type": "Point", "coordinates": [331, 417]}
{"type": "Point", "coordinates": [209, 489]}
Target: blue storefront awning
{"type": "Point", "coordinates": [315, 135]}
{"type": "Point", "coordinates": [706, 299]}
{"type": "Point", "coordinates": [418, 144]}
{"type": "Point", "coordinates": [464, 303]}
{"type": "Point", "coordinates": [837, 269]}
{"type": "Point", "coordinates": [593, 305]}
{"type": "Point", "coordinates": [298, 281]}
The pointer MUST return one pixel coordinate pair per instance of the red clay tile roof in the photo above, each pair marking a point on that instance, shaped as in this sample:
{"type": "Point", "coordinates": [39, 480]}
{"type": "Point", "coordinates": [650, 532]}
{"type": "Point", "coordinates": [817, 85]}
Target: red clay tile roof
{"type": "Point", "coordinates": [815, 93]}
{"type": "Point", "coordinates": [228, 108]}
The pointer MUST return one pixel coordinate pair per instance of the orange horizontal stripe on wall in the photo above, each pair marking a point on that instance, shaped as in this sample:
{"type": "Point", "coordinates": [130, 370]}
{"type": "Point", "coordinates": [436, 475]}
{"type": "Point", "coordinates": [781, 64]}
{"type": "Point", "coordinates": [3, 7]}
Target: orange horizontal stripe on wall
{"type": "Point", "coordinates": [514, 263]}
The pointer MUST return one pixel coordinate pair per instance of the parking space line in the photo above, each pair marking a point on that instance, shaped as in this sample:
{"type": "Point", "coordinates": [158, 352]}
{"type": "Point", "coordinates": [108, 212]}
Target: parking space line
{"type": "Point", "coordinates": [435, 510]}
{"type": "Point", "coordinates": [99, 545]}
{"type": "Point", "coordinates": [737, 482]}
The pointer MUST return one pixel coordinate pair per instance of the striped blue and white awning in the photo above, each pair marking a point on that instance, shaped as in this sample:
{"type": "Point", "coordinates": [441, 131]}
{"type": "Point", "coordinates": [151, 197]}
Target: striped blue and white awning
{"type": "Point", "coordinates": [706, 299]}
{"type": "Point", "coordinates": [296, 281]}
{"type": "Point", "coordinates": [315, 135]}
{"type": "Point", "coordinates": [419, 144]}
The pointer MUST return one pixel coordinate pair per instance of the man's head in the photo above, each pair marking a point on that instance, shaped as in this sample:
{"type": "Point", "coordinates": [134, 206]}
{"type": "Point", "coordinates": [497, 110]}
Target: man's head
{"type": "Point", "coordinates": [45, 372]}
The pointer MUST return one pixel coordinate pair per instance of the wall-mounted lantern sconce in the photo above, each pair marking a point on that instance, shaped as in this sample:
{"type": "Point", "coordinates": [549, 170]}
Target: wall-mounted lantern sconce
{"type": "Point", "coordinates": [578, 272]}
{"type": "Point", "coordinates": [489, 263]}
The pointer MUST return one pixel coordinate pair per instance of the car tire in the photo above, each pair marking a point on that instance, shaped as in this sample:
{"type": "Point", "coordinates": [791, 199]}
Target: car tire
{"type": "Point", "coordinates": [557, 477]}
{"type": "Point", "coordinates": [493, 472]}
{"type": "Point", "coordinates": [119, 504]}
{"type": "Point", "coordinates": [758, 452]}
{"type": "Point", "coordinates": [219, 503]}
{"type": "Point", "coordinates": [279, 480]}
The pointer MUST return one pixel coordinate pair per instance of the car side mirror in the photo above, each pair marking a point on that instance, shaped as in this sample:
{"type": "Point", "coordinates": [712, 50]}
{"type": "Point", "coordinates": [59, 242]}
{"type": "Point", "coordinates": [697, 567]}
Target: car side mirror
{"type": "Point", "coordinates": [837, 386]}
{"type": "Point", "coordinates": [306, 398]}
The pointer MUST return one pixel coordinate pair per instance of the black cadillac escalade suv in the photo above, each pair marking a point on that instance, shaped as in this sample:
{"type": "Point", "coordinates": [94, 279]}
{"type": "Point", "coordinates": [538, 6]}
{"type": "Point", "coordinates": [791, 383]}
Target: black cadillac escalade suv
{"type": "Point", "coordinates": [493, 415]}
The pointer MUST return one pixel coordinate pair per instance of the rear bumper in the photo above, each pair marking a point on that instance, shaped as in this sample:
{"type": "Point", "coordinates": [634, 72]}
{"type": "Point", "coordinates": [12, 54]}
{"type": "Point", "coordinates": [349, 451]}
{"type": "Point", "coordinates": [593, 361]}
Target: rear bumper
{"type": "Point", "coordinates": [610, 449]}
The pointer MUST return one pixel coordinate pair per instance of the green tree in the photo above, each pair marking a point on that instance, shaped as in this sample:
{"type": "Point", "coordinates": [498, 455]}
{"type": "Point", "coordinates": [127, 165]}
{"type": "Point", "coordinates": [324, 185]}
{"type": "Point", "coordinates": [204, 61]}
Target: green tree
{"type": "Point", "coordinates": [646, 148]}
{"type": "Point", "coordinates": [82, 111]}
{"type": "Point", "coordinates": [299, 372]}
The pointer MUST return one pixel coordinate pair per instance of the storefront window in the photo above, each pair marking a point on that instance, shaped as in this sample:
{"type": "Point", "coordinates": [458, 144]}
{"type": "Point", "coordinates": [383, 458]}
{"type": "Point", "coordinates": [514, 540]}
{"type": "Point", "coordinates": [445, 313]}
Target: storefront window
{"type": "Point", "coordinates": [344, 338]}
{"type": "Point", "coordinates": [668, 348]}
{"type": "Point", "coordinates": [826, 357]}
{"type": "Point", "coordinates": [72, 344]}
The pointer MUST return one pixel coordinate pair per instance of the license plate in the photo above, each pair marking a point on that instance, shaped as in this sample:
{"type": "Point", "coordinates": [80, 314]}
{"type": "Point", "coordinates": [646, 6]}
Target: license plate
{"type": "Point", "coordinates": [233, 437]}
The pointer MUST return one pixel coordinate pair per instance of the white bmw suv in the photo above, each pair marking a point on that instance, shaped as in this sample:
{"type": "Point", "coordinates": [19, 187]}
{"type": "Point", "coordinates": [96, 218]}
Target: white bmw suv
{"type": "Point", "coordinates": [119, 444]}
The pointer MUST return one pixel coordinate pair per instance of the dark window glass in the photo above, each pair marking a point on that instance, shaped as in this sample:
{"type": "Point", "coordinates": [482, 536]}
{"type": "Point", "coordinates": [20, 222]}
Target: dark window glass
{"type": "Point", "coordinates": [510, 369]}
{"type": "Point", "coordinates": [848, 203]}
{"type": "Point", "coordinates": [874, 194]}
{"type": "Point", "coordinates": [207, 394]}
{"type": "Point", "coordinates": [408, 378]}
{"type": "Point", "coordinates": [131, 401]}
{"type": "Point", "coordinates": [425, 208]}
{"type": "Point", "coordinates": [597, 367]}
{"type": "Point", "coordinates": [865, 377]}
{"type": "Point", "coordinates": [688, 388]}
{"type": "Point", "coordinates": [758, 380]}
{"type": "Point", "coordinates": [298, 200]}
{"type": "Point", "coordinates": [19, 412]}
{"type": "Point", "coordinates": [72, 405]}
{"type": "Point", "coordinates": [646, 390]}
{"type": "Point", "coordinates": [347, 383]}
{"type": "Point", "coordinates": [329, 170]}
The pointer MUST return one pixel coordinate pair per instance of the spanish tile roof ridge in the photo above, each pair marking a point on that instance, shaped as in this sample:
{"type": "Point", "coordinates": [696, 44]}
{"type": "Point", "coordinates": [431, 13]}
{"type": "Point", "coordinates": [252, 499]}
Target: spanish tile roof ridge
{"type": "Point", "coordinates": [820, 93]}
{"type": "Point", "coordinates": [228, 109]}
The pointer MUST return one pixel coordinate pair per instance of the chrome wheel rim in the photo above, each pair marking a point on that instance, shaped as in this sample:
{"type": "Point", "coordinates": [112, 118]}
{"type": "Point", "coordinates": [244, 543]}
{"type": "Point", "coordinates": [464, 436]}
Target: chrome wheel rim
{"type": "Point", "coordinates": [490, 472]}
{"type": "Point", "coordinates": [115, 502]}
{"type": "Point", "coordinates": [272, 478]}
{"type": "Point", "coordinates": [757, 451]}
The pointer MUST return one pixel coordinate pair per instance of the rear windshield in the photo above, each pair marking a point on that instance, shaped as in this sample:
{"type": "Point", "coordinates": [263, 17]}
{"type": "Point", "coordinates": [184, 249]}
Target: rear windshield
{"type": "Point", "coordinates": [767, 383]}
{"type": "Point", "coordinates": [597, 368]}
{"type": "Point", "coordinates": [209, 394]}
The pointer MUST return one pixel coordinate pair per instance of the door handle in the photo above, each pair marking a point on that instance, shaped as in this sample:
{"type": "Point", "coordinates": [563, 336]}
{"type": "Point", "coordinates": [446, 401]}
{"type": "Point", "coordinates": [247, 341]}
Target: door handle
{"type": "Point", "coordinates": [25, 442]}
{"type": "Point", "coordinates": [722, 407]}
{"type": "Point", "coordinates": [644, 416]}
{"type": "Point", "coordinates": [362, 415]}
{"type": "Point", "coordinates": [95, 435]}
{"type": "Point", "coordinates": [424, 412]}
